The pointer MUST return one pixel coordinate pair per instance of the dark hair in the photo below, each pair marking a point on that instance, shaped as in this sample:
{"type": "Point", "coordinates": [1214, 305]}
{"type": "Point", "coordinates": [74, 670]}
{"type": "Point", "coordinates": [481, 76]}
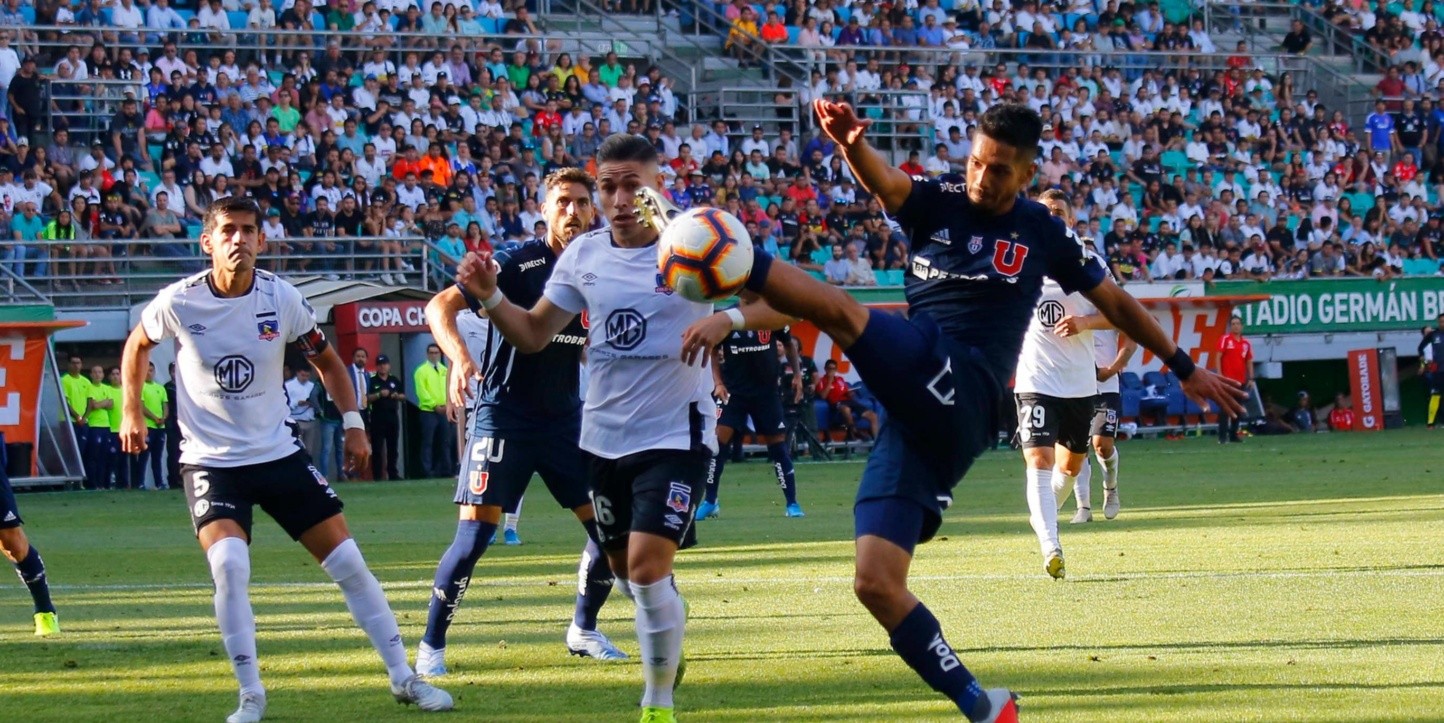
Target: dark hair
{"type": "Point", "coordinates": [569, 175]}
{"type": "Point", "coordinates": [623, 147]}
{"type": "Point", "coordinates": [1013, 124]}
{"type": "Point", "coordinates": [229, 206]}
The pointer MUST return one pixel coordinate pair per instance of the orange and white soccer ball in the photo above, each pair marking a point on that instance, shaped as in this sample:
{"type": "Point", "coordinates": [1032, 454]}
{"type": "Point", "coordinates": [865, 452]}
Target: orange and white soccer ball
{"type": "Point", "coordinates": [705, 254]}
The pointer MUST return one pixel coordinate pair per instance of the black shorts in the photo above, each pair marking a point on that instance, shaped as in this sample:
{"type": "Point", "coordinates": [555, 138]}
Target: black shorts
{"type": "Point", "coordinates": [1107, 408]}
{"type": "Point", "coordinates": [765, 411]}
{"type": "Point", "coordinates": [1044, 421]}
{"type": "Point", "coordinates": [656, 492]}
{"type": "Point", "coordinates": [496, 471]}
{"type": "Point", "coordinates": [291, 490]}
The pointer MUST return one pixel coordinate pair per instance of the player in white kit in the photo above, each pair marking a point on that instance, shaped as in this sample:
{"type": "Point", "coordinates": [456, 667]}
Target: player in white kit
{"type": "Point", "coordinates": [1110, 360]}
{"type": "Point", "coordinates": [648, 422]}
{"type": "Point", "coordinates": [1055, 387]}
{"type": "Point", "coordinates": [232, 325]}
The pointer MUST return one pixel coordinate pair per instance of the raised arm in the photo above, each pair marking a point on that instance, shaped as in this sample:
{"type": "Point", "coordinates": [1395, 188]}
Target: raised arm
{"type": "Point", "coordinates": [890, 184]}
{"type": "Point", "coordinates": [1131, 318]}
{"type": "Point", "coordinates": [529, 330]}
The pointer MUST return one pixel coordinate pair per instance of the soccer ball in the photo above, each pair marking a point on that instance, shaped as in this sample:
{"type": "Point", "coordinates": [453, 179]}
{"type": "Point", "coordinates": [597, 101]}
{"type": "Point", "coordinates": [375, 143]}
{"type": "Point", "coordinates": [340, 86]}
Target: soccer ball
{"type": "Point", "coordinates": [705, 255]}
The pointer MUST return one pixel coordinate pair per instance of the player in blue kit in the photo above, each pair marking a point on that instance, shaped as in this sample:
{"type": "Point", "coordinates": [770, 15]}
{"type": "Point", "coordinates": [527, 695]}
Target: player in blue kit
{"type": "Point", "coordinates": [24, 556]}
{"type": "Point", "coordinates": [525, 419]}
{"type": "Point", "coordinates": [746, 375]}
{"type": "Point", "coordinates": [979, 255]}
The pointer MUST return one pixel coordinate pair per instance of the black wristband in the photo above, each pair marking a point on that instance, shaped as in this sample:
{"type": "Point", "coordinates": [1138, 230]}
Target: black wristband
{"type": "Point", "coordinates": [471, 301]}
{"type": "Point", "coordinates": [1181, 364]}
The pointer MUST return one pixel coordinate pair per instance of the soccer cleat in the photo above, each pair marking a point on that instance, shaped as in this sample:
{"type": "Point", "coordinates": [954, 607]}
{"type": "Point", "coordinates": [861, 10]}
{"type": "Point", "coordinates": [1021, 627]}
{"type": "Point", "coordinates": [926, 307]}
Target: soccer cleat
{"type": "Point", "coordinates": [46, 625]}
{"type": "Point", "coordinates": [708, 510]}
{"type": "Point", "coordinates": [1005, 705]}
{"type": "Point", "coordinates": [430, 663]}
{"type": "Point", "coordinates": [795, 510]}
{"type": "Point", "coordinates": [592, 644]}
{"type": "Point", "coordinates": [252, 709]}
{"type": "Point", "coordinates": [1082, 515]}
{"type": "Point", "coordinates": [511, 538]}
{"type": "Point", "coordinates": [1111, 505]}
{"type": "Point", "coordinates": [653, 208]}
{"type": "Point", "coordinates": [658, 715]}
{"type": "Point", "coordinates": [1053, 565]}
{"type": "Point", "coordinates": [425, 695]}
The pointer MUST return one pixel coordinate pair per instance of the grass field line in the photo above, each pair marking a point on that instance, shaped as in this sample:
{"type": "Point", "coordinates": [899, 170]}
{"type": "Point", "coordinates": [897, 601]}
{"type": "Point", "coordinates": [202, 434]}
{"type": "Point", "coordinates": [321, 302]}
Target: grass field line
{"type": "Point", "coordinates": [796, 580]}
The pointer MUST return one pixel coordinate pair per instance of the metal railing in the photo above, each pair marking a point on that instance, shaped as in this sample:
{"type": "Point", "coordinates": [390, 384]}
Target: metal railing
{"type": "Point", "coordinates": [656, 45]}
{"type": "Point", "coordinates": [107, 274]}
{"type": "Point", "coordinates": [1329, 38]}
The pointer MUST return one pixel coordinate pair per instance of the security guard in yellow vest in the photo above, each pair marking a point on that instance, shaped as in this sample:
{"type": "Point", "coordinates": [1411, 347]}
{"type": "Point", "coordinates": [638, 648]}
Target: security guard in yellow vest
{"type": "Point", "coordinates": [429, 380]}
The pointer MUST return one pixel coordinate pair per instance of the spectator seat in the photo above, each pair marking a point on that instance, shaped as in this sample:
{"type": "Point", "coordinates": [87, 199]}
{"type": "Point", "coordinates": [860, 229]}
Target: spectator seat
{"type": "Point", "coordinates": [1129, 380]}
{"type": "Point", "coordinates": [238, 18]}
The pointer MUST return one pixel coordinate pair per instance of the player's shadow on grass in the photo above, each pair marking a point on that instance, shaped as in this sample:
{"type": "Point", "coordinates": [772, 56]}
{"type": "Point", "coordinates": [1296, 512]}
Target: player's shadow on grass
{"type": "Point", "coordinates": [1180, 648]}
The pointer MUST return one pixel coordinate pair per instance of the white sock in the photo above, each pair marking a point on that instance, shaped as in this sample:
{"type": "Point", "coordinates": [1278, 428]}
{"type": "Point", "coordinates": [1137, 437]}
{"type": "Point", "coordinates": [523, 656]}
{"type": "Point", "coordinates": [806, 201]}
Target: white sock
{"type": "Point", "coordinates": [624, 586]}
{"type": "Point", "coordinates": [1082, 486]}
{"type": "Point", "coordinates": [231, 570]}
{"type": "Point", "coordinates": [1062, 485]}
{"type": "Point", "coordinates": [1110, 469]}
{"type": "Point", "coordinates": [1042, 509]}
{"type": "Point", "coordinates": [368, 607]}
{"type": "Point", "coordinates": [514, 517]}
{"type": "Point", "coordinates": [661, 620]}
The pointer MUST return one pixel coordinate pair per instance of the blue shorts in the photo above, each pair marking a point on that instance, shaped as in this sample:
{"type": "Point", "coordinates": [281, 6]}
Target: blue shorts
{"type": "Point", "coordinates": [9, 512]}
{"type": "Point", "coordinates": [941, 402]}
{"type": "Point", "coordinates": [496, 471]}
{"type": "Point", "coordinates": [765, 411]}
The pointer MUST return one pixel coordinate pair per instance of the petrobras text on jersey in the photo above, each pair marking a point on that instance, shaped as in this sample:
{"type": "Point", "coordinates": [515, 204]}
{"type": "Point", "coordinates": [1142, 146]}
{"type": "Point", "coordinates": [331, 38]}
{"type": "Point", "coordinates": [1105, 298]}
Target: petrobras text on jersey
{"type": "Point", "coordinates": [386, 317]}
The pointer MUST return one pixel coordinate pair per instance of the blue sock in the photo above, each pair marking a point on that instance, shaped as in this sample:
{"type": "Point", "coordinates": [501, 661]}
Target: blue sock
{"type": "Point", "coordinates": [714, 473]}
{"type": "Point", "coordinates": [32, 573]}
{"type": "Point", "coordinates": [918, 640]}
{"type": "Point", "coordinates": [453, 576]}
{"type": "Point", "coordinates": [594, 581]}
{"type": "Point", "coordinates": [786, 475]}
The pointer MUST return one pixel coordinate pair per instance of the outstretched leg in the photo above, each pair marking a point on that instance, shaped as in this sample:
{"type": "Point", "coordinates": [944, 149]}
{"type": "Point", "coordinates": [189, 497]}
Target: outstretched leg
{"type": "Point", "coordinates": [886, 532]}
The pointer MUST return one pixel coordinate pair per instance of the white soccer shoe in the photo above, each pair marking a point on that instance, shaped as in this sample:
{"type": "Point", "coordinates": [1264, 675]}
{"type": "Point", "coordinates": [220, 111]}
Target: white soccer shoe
{"type": "Point", "coordinates": [1061, 489]}
{"type": "Point", "coordinates": [592, 644]}
{"type": "Point", "coordinates": [252, 710]}
{"type": "Point", "coordinates": [1082, 515]}
{"type": "Point", "coordinates": [430, 663]}
{"type": "Point", "coordinates": [425, 695]}
{"type": "Point", "coordinates": [1111, 505]}
{"type": "Point", "coordinates": [1053, 565]}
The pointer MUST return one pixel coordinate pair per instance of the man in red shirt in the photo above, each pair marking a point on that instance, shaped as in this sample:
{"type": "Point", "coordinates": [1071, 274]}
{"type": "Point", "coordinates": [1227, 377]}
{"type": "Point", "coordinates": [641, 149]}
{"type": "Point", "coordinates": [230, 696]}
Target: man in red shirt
{"type": "Point", "coordinates": [833, 389]}
{"type": "Point", "coordinates": [1341, 419]}
{"type": "Point", "coordinates": [1234, 361]}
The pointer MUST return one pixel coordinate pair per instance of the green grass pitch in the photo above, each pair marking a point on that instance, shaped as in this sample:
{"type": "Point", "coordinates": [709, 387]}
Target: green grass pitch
{"type": "Point", "coordinates": [1286, 579]}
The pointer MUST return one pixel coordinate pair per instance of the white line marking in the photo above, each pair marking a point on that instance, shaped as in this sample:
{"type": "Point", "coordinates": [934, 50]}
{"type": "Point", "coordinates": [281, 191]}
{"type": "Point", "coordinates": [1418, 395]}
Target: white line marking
{"type": "Point", "coordinates": [1121, 577]}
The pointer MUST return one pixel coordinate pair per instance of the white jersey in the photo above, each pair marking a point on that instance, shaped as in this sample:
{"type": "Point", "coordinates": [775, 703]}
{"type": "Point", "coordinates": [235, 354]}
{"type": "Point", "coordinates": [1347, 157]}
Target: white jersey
{"type": "Point", "coordinates": [1105, 350]}
{"type": "Point", "coordinates": [1053, 365]}
{"type": "Point", "coordinates": [229, 357]}
{"type": "Point", "coordinates": [640, 395]}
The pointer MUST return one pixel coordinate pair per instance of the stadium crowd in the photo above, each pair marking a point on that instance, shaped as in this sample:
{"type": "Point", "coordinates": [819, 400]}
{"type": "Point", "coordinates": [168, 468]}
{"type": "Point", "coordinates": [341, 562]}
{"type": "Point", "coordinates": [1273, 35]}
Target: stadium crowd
{"type": "Point", "coordinates": [360, 145]}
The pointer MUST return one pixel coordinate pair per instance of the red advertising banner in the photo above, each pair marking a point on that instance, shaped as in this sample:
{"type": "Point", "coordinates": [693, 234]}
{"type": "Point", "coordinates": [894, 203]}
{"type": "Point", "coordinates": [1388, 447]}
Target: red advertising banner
{"type": "Point", "coordinates": [1368, 393]}
{"type": "Point", "coordinates": [24, 354]}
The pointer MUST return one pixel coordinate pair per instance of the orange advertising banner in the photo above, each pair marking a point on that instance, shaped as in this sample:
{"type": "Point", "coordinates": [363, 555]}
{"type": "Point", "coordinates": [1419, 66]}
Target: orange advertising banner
{"type": "Point", "coordinates": [22, 366]}
{"type": "Point", "coordinates": [1368, 394]}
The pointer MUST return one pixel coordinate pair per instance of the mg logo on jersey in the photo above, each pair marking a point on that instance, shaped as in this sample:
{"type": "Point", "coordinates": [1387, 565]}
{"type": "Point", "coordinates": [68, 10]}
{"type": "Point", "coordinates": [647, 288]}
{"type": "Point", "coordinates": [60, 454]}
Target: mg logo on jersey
{"type": "Point", "coordinates": [234, 374]}
{"type": "Point", "coordinates": [1050, 313]}
{"type": "Point", "coordinates": [1008, 257]}
{"type": "Point", "coordinates": [975, 244]}
{"type": "Point", "coordinates": [626, 328]}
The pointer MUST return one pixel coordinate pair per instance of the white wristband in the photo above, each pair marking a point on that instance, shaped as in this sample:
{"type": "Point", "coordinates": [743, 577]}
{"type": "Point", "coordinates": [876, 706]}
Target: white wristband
{"type": "Point", "coordinates": [493, 301]}
{"type": "Point", "coordinates": [352, 420]}
{"type": "Point", "coordinates": [739, 322]}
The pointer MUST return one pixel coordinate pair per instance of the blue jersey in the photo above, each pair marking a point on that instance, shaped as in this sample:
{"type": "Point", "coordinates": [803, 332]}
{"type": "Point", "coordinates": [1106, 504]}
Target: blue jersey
{"type": "Point", "coordinates": [979, 276]}
{"type": "Point", "coordinates": [530, 394]}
